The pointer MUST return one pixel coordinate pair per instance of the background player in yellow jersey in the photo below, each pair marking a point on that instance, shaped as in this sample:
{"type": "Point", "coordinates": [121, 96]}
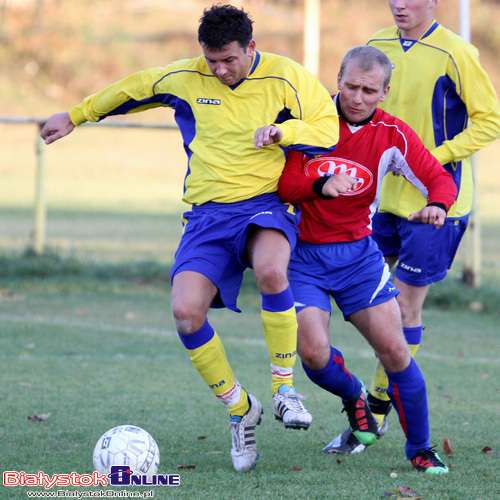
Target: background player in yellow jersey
{"type": "Point", "coordinates": [238, 110]}
{"type": "Point", "coordinates": [439, 88]}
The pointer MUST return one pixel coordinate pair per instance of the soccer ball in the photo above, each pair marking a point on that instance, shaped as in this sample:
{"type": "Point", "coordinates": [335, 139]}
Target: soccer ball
{"type": "Point", "coordinates": [127, 445]}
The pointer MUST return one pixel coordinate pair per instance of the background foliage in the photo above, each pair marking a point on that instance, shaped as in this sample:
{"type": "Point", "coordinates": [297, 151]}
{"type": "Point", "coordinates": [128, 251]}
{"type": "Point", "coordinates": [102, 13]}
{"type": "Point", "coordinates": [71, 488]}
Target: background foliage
{"type": "Point", "coordinates": [56, 52]}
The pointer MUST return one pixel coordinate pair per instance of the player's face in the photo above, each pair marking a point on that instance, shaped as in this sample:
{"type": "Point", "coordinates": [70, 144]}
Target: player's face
{"type": "Point", "coordinates": [361, 91]}
{"type": "Point", "coordinates": [231, 63]}
{"type": "Point", "coordinates": [413, 17]}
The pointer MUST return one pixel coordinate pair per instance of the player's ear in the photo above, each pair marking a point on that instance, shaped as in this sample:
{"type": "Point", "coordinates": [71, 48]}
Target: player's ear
{"type": "Point", "coordinates": [384, 95]}
{"type": "Point", "coordinates": [339, 82]}
{"type": "Point", "coordinates": [251, 47]}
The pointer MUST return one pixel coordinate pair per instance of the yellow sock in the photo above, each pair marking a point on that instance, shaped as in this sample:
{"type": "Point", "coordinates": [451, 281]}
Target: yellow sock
{"type": "Point", "coordinates": [209, 357]}
{"type": "Point", "coordinates": [413, 349]}
{"type": "Point", "coordinates": [378, 388]}
{"type": "Point", "coordinates": [280, 331]}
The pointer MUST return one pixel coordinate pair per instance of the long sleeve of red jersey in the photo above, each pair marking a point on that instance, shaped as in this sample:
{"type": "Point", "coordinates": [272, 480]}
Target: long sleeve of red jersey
{"type": "Point", "coordinates": [294, 186]}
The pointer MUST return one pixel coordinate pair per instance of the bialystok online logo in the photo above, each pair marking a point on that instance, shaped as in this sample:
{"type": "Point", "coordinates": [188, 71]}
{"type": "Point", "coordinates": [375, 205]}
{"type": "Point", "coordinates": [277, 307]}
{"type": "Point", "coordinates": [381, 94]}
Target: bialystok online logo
{"type": "Point", "coordinates": [120, 475]}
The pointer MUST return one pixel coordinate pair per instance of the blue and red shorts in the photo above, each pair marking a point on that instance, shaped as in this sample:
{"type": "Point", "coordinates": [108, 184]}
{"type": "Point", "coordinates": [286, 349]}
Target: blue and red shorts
{"type": "Point", "coordinates": [353, 273]}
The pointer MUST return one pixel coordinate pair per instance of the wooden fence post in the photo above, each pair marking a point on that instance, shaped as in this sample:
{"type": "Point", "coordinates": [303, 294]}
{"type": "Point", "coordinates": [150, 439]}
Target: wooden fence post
{"type": "Point", "coordinates": [39, 208]}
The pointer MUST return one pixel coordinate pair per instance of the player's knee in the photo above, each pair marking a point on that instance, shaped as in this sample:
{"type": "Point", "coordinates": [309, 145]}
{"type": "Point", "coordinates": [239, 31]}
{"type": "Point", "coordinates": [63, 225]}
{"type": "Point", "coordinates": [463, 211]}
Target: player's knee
{"type": "Point", "coordinates": [395, 357]}
{"type": "Point", "coordinates": [187, 317]}
{"type": "Point", "coordinates": [314, 356]}
{"type": "Point", "coordinates": [271, 277]}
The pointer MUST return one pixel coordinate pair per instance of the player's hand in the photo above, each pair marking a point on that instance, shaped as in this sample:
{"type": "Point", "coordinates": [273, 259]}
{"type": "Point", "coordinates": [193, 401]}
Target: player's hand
{"type": "Point", "coordinates": [430, 215]}
{"type": "Point", "coordinates": [338, 184]}
{"type": "Point", "coordinates": [55, 127]}
{"type": "Point", "coordinates": [265, 136]}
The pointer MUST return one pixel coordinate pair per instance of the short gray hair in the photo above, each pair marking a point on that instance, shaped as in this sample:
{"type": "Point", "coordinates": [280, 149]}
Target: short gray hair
{"type": "Point", "coordinates": [366, 57]}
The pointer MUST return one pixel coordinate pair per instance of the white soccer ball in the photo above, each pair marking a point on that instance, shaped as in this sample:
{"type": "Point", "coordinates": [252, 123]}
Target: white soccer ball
{"type": "Point", "coordinates": [127, 445]}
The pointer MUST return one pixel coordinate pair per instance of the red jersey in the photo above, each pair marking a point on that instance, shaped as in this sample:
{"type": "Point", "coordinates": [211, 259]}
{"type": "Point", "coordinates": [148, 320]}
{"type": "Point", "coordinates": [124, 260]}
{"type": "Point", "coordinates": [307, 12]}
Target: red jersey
{"type": "Point", "coordinates": [385, 144]}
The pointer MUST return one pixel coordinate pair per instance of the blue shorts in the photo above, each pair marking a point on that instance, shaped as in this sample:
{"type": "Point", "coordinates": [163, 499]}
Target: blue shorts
{"type": "Point", "coordinates": [215, 236]}
{"type": "Point", "coordinates": [353, 273]}
{"type": "Point", "coordinates": [425, 253]}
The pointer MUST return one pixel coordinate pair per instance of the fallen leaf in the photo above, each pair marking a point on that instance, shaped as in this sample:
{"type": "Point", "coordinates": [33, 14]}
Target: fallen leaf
{"type": "Point", "coordinates": [489, 451]}
{"type": "Point", "coordinates": [406, 491]}
{"type": "Point", "coordinates": [192, 466]}
{"type": "Point", "coordinates": [44, 417]}
{"type": "Point", "coordinates": [295, 468]}
{"type": "Point", "coordinates": [339, 461]}
{"type": "Point", "coordinates": [201, 438]}
{"type": "Point", "coordinates": [447, 447]}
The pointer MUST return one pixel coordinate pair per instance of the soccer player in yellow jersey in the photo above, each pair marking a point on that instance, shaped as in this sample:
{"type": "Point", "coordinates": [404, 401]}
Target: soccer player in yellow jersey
{"type": "Point", "coordinates": [238, 111]}
{"type": "Point", "coordinates": [439, 88]}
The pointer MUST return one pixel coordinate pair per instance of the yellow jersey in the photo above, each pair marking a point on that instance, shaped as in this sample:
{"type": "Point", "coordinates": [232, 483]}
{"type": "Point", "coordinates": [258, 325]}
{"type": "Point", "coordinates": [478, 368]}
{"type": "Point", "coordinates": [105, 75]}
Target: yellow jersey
{"type": "Point", "coordinates": [218, 122]}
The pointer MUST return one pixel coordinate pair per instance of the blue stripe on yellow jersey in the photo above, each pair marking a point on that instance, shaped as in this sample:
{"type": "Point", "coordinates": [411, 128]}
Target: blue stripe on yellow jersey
{"type": "Point", "coordinates": [218, 122]}
{"type": "Point", "coordinates": [439, 88]}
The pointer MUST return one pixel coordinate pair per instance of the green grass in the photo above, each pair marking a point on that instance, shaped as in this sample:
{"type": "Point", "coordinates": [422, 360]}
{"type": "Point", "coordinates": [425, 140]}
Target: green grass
{"type": "Point", "coordinates": [88, 336]}
{"type": "Point", "coordinates": [98, 353]}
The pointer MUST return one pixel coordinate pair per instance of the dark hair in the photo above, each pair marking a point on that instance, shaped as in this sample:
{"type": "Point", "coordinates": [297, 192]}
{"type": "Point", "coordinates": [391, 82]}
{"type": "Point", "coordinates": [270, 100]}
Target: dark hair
{"type": "Point", "coordinates": [221, 25]}
{"type": "Point", "coordinates": [367, 57]}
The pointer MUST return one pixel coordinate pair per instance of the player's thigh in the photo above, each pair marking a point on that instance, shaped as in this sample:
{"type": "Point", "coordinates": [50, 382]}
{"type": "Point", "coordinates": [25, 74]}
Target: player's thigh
{"type": "Point", "coordinates": [381, 326]}
{"type": "Point", "coordinates": [269, 254]}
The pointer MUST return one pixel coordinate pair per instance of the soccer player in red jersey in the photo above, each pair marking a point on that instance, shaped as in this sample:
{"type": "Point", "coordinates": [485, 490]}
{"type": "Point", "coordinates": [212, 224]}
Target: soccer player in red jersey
{"type": "Point", "coordinates": [336, 256]}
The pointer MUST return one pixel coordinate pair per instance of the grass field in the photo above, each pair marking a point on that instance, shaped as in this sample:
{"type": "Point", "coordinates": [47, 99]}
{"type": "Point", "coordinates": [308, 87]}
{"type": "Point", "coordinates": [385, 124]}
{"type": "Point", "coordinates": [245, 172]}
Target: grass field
{"type": "Point", "coordinates": [98, 353]}
{"type": "Point", "coordinates": [89, 340]}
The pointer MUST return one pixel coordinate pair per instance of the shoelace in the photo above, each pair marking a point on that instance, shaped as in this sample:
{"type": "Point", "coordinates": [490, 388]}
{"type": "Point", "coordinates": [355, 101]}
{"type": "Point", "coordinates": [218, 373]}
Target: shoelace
{"type": "Point", "coordinates": [295, 400]}
{"type": "Point", "coordinates": [431, 456]}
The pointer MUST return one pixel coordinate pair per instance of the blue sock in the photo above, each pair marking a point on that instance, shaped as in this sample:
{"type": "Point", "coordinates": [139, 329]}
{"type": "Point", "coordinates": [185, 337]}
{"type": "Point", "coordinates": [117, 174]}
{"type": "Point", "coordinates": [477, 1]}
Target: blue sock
{"type": "Point", "coordinates": [277, 302]}
{"type": "Point", "coordinates": [199, 337]}
{"type": "Point", "coordinates": [413, 335]}
{"type": "Point", "coordinates": [335, 378]}
{"type": "Point", "coordinates": [408, 395]}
